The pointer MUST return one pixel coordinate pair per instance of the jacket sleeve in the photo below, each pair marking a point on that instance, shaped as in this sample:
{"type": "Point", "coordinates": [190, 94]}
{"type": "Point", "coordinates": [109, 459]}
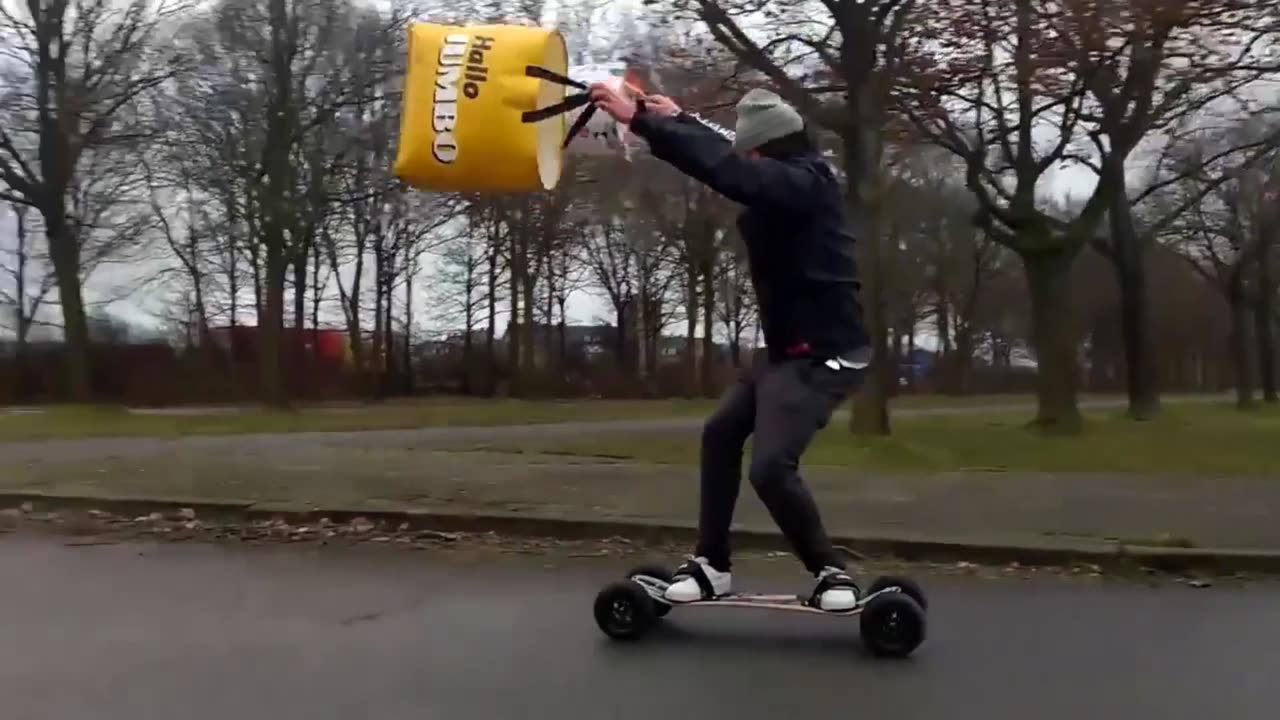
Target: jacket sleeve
{"type": "Point", "coordinates": [705, 155]}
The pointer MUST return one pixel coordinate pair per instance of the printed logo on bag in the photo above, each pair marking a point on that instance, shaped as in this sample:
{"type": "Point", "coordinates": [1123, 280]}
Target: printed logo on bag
{"type": "Point", "coordinates": [461, 72]}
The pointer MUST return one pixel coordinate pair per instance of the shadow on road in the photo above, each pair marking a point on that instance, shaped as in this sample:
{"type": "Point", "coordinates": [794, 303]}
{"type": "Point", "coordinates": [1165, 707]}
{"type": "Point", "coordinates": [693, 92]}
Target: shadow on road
{"type": "Point", "coordinates": [826, 639]}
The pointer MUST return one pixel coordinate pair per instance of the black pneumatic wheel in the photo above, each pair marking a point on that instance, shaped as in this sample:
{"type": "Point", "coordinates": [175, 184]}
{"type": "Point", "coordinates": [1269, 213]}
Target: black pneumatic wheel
{"type": "Point", "coordinates": [892, 625]}
{"type": "Point", "coordinates": [909, 587]}
{"type": "Point", "coordinates": [657, 573]}
{"type": "Point", "coordinates": [624, 611]}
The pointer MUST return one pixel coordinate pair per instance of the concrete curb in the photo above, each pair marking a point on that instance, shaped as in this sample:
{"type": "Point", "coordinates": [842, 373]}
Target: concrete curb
{"type": "Point", "coordinates": [910, 548]}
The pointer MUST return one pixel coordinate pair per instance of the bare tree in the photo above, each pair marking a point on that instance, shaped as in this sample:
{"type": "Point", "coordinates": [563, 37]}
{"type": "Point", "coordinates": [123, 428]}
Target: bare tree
{"type": "Point", "coordinates": [691, 220]}
{"type": "Point", "coordinates": [1148, 68]}
{"type": "Point", "coordinates": [736, 305]}
{"type": "Point", "coordinates": [293, 85]}
{"type": "Point", "coordinates": [458, 296]}
{"type": "Point", "coordinates": [956, 259]}
{"type": "Point", "coordinates": [185, 232]}
{"type": "Point", "coordinates": [837, 63]}
{"type": "Point", "coordinates": [27, 288]}
{"type": "Point", "coordinates": [993, 83]}
{"type": "Point", "coordinates": [611, 259]}
{"type": "Point", "coordinates": [1226, 236]}
{"type": "Point", "coordinates": [78, 71]}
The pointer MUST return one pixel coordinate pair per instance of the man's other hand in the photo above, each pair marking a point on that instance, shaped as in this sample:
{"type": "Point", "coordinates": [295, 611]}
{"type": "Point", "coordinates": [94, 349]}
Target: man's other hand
{"type": "Point", "coordinates": [615, 104]}
{"type": "Point", "coordinates": [661, 105]}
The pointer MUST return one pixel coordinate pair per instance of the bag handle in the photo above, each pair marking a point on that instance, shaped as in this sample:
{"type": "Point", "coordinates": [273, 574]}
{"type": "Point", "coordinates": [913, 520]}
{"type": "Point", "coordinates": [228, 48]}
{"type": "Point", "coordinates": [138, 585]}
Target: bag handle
{"type": "Point", "coordinates": [572, 102]}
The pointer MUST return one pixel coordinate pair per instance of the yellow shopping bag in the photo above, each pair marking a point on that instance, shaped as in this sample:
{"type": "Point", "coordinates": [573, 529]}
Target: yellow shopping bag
{"type": "Point", "coordinates": [470, 120]}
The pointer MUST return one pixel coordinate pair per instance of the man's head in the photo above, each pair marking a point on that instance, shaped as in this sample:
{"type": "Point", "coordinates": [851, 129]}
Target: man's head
{"type": "Point", "coordinates": [767, 125]}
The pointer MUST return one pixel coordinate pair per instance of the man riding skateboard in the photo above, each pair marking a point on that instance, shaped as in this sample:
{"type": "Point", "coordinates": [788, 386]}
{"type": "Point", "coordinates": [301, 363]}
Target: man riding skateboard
{"type": "Point", "coordinates": [804, 273]}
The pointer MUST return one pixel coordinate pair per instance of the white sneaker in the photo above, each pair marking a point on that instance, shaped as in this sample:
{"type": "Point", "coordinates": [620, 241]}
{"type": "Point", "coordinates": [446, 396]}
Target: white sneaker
{"type": "Point", "coordinates": [836, 591]}
{"type": "Point", "coordinates": [697, 580]}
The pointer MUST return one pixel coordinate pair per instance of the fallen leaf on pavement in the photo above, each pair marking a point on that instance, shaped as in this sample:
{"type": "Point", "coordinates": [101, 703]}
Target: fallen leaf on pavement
{"type": "Point", "coordinates": [437, 535]}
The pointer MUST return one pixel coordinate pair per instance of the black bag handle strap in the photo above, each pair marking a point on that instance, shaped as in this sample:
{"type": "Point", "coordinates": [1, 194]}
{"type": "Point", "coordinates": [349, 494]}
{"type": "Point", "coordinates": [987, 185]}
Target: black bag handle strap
{"type": "Point", "coordinates": [544, 74]}
{"type": "Point", "coordinates": [572, 102]}
{"type": "Point", "coordinates": [578, 124]}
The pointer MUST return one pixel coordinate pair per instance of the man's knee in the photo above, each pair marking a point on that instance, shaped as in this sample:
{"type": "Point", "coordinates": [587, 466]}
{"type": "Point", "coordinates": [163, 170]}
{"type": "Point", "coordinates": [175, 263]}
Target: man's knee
{"type": "Point", "coordinates": [770, 472]}
{"type": "Point", "coordinates": [722, 432]}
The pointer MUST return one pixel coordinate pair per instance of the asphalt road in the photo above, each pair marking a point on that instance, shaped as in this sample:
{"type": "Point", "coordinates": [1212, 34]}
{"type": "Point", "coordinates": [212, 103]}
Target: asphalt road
{"type": "Point", "coordinates": [204, 632]}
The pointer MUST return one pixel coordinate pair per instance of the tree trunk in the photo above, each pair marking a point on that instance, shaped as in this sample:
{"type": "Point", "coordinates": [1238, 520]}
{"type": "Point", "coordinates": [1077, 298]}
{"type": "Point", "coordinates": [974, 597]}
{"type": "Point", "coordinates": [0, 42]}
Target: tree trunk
{"type": "Point", "coordinates": [1135, 319]}
{"type": "Point", "coordinates": [1240, 339]}
{"type": "Point", "coordinates": [378, 351]}
{"type": "Point", "coordinates": [351, 306]}
{"type": "Point", "coordinates": [1048, 274]}
{"type": "Point", "coordinates": [21, 389]}
{"type": "Point", "coordinates": [469, 322]}
{"type": "Point", "coordinates": [947, 359]}
{"type": "Point", "coordinates": [316, 296]}
{"type": "Point", "coordinates": [913, 378]}
{"type": "Point", "coordinates": [562, 333]}
{"type": "Point", "coordinates": [870, 414]}
{"type": "Point", "coordinates": [1264, 323]}
{"type": "Point", "coordinates": [620, 338]}
{"type": "Point", "coordinates": [202, 317]}
{"type": "Point", "coordinates": [491, 329]}
{"type": "Point", "coordinates": [528, 362]}
{"type": "Point", "coordinates": [942, 315]}
{"type": "Point", "coordinates": [962, 360]}
{"type": "Point", "coordinates": [649, 332]}
{"type": "Point", "coordinates": [389, 365]}
{"type": "Point", "coordinates": [259, 294]}
{"type": "Point", "coordinates": [965, 321]}
{"type": "Point", "coordinates": [298, 337]}
{"type": "Point", "coordinates": [897, 358]}
{"type": "Point", "coordinates": [691, 328]}
{"type": "Point", "coordinates": [466, 362]}
{"type": "Point", "coordinates": [708, 380]}
{"type": "Point", "coordinates": [233, 267]}
{"type": "Point", "coordinates": [1127, 258]}
{"type": "Point", "coordinates": [274, 199]}
{"type": "Point", "coordinates": [407, 354]}
{"type": "Point", "coordinates": [270, 325]}
{"type": "Point", "coordinates": [549, 340]}
{"type": "Point", "coordinates": [1099, 380]}
{"type": "Point", "coordinates": [64, 250]}
{"type": "Point", "coordinates": [513, 331]}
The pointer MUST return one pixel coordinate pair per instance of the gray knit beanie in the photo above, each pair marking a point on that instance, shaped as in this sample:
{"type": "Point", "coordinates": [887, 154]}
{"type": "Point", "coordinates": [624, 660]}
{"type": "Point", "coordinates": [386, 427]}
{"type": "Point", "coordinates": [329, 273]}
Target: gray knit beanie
{"type": "Point", "coordinates": [763, 117]}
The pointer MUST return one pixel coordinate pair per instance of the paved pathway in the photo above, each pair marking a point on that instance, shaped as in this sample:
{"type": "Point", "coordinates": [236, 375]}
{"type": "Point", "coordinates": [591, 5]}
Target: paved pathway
{"type": "Point", "coordinates": [24, 451]}
{"type": "Point", "coordinates": [975, 507]}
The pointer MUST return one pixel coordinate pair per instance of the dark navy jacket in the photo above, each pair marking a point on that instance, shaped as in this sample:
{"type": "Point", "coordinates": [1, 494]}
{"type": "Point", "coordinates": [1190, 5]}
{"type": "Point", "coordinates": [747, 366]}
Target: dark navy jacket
{"type": "Point", "coordinates": [800, 252]}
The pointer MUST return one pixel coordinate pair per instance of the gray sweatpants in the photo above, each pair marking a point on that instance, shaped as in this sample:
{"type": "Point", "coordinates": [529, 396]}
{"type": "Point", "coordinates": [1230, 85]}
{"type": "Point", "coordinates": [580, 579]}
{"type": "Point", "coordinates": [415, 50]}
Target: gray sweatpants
{"type": "Point", "coordinates": [784, 404]}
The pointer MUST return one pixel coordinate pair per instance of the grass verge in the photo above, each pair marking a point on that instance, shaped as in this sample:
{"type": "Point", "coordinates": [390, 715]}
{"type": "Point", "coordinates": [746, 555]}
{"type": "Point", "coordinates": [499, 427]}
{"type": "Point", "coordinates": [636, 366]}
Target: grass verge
{"type": "Point", "coordinates": [1203, 440]}
{"type": "Point", "coordinates": [65, 422]}
{"type": "Point", "coordinates": [84, 421]}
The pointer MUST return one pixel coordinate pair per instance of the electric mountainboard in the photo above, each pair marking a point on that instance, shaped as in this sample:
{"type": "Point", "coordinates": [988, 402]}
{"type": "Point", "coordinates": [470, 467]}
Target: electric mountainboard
{"type": "Point", "coordinates": [891, 612]}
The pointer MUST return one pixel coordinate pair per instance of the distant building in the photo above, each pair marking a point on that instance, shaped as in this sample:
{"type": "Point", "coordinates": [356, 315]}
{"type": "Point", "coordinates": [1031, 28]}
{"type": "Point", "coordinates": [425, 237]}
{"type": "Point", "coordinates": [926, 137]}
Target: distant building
{"type": "Point", "coordinates": [327, 346]}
